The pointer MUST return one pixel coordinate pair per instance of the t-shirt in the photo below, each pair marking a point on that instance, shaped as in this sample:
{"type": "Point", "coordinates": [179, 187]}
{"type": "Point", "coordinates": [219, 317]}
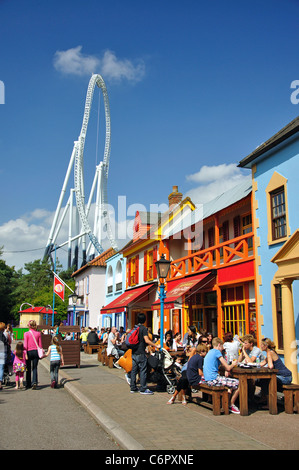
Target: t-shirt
{"type": "Point", "coordinates": [211, 364]}
{"type": "Point", "coordinates": [256, 352]}
{"type": "Point", "coordinates": [110, 345]}
{"type": "Point", "coordinates": [142, 345]}
{"type": "Point", "coordinates": [232, 349]}
{"type": "Point", "coordinates": [195, 362]}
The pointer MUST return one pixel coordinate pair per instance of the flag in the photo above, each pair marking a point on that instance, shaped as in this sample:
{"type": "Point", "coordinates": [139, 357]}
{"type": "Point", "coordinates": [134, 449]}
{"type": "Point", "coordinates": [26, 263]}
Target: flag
{"type": "Point", "coordinates": [59, 287]}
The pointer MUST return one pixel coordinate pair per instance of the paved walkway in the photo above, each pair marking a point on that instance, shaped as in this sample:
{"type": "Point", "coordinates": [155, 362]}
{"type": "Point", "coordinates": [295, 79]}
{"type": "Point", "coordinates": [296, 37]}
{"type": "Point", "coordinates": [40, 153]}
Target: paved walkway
{"type": "Point", "coordinates": [139, 422]}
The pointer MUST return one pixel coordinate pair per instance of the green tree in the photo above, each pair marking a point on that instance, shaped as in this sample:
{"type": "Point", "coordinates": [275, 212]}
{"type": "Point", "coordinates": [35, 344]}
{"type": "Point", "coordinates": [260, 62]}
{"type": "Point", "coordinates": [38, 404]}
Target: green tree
{"type": "Point", "coordinates": [35, 286]}
{"type": "Point", "coordinates": [8, 279]}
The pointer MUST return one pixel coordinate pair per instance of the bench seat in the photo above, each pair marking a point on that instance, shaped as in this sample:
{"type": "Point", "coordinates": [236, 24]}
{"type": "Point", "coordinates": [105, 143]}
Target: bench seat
{"type": "Point", "coordinates": [219, 397]}
{"type": "Point", "coordinates": [291, 398]}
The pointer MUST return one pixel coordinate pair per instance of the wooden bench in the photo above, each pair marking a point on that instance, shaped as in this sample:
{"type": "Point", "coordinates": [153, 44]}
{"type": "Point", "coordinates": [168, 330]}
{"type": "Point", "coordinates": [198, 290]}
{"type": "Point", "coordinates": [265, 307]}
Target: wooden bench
{"type": "Point", "coordinates": [291, 398]}
{"type": "Point", "coordinates": [109, 361]}
{"type": "Point", "coordinates": [219, 398]}
{"type": "Point", "coordinates": [101, 353]}
{"type": "Point", "coordinates": [89, 348]}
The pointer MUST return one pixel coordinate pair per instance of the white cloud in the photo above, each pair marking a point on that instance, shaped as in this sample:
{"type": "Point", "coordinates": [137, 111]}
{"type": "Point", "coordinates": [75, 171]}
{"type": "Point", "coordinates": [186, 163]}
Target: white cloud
{"type": "Point", "coordinates": [214, 180]}
{"type": "Point", "coordinates": [74, 62]}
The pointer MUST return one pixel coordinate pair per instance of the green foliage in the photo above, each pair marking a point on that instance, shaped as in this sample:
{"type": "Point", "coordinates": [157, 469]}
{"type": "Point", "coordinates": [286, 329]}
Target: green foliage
{"type": "Point", "coordinates": [34, 286]}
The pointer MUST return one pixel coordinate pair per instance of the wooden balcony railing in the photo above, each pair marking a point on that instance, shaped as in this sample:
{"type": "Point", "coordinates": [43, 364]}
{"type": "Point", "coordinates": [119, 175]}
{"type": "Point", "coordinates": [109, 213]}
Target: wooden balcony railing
{"type": "Point", "coordinates": [234, 251]}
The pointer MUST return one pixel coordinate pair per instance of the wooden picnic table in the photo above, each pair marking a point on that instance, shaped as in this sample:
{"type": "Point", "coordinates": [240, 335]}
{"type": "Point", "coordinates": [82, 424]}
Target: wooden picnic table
{"type": "Point", "coordinates": [244, 374]}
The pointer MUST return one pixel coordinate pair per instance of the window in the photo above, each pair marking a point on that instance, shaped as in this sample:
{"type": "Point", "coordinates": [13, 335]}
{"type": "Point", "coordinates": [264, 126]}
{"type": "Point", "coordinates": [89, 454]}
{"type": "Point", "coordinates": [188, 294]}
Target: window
{"type": "Point", "coordinates": [233, 310]}
{"type": "Point", "coordinates": [134, 271]}
{"type": "Point", "coordinates": [247, 228]}
{"type": "Point", "coordinates": [278, 214]}
{"type": "Point", "coordinates": [277, 209]}
{"type": "Point", "coordinates": [110, 280]}
{"type": "Point", "coordinates": [150, 257]}
{"type": "Point", "coordinates": [118, 276]}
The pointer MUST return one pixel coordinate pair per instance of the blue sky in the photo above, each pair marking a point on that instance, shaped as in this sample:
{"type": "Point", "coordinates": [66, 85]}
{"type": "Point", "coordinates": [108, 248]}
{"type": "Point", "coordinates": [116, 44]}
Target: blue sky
{"type": "Point", "coordinates": [193, 87]}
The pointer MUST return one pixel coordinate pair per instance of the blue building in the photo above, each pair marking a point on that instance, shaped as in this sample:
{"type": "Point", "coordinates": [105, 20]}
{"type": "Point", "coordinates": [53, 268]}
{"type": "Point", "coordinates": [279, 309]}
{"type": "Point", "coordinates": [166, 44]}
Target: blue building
{"type": "Point", "coordinates": [275, 182]}
{"type": "Point", "coordinates": [115, 286]}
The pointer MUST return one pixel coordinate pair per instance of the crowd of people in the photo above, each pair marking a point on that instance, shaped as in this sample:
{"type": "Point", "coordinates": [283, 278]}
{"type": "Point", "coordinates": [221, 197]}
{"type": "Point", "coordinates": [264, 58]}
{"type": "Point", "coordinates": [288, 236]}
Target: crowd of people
{"type": "Point", "coordinates": [204, 357]}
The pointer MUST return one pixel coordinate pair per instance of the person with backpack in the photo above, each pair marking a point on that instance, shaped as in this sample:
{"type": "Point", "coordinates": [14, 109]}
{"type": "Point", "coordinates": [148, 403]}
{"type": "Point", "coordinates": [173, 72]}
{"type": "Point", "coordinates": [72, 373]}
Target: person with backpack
{"type": "Point", "coordinates": [139, 359]}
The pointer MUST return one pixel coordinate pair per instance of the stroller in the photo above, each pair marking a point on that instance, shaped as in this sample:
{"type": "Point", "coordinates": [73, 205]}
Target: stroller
{"type": "Point", "coordinates": [166, 373]}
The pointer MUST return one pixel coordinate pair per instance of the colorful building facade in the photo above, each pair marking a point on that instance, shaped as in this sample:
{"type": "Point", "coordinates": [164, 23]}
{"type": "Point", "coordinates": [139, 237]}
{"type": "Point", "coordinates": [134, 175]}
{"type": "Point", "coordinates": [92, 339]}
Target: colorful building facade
{"type": "Point", "coordinates": [274, 167]}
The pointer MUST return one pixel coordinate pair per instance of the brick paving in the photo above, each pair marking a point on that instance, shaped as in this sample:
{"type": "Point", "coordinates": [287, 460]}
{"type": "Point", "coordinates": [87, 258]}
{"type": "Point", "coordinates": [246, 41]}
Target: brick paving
{"type": "Point", "coordinates": [145, 422]}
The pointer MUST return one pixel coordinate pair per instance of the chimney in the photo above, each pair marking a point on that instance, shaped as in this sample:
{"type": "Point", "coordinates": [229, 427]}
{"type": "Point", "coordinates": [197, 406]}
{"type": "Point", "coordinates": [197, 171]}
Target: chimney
{"type": "Point", "coordinates": [175, 197]}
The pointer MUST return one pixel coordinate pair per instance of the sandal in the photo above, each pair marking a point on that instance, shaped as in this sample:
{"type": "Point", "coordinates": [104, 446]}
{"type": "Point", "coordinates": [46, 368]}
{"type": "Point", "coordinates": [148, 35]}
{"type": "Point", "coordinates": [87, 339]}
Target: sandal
{"type": "Point", "coordinates": [170, 402]}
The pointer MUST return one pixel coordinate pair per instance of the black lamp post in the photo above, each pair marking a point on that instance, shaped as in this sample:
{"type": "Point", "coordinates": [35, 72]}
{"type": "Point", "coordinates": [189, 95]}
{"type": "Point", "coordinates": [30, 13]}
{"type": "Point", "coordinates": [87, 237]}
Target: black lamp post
{"type": "Point", "coordinates": [73, 297]}
{"type": "Point", "coordinates": [162, 266]}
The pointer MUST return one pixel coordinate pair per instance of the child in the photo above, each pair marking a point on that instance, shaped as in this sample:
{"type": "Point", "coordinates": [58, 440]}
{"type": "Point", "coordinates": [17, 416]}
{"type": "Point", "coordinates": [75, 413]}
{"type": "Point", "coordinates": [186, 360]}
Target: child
{"type": "Point", "coordinates": [19, 364]}
{"type": "Point", "coordinates": [195, 365]}
{"type": "Point", "coordinates": [211, 365]}
{"type": "Point", "coordinates": [56, 360]}
{"type": "Point", "coordinates": [183, 383]}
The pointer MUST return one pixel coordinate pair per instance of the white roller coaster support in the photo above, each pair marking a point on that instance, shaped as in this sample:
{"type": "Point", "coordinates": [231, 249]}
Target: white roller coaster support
{"type": "Point", "coordinates": [79, 190]}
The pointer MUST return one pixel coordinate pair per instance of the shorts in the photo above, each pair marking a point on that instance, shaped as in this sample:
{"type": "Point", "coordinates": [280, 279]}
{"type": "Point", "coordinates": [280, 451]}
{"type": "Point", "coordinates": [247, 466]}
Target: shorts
{"type": "Point", "coordinates": [221, 380]}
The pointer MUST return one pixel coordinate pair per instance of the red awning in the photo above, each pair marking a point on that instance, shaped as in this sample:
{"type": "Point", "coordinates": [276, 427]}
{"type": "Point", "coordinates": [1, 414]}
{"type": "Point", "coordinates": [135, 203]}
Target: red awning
{"type": "Point", "coordinates": [176, 289]}
{"type": "Point", "coordinates": [124, 300]}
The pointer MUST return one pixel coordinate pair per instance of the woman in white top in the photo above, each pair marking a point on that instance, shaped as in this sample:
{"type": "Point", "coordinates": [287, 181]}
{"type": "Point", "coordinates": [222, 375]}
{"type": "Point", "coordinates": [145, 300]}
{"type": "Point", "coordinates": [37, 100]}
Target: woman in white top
{"type": "Point", "coordinates": [231, 347]}
{"type": "Point", "coordinates": [177, 341]}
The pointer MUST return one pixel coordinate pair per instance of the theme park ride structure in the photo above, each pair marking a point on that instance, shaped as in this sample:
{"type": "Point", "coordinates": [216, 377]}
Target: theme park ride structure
{"type": "Point", "coordinates": [99, 187]}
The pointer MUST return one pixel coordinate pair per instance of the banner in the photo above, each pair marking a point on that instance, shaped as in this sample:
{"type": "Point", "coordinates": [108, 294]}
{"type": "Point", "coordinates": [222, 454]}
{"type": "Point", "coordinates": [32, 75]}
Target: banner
{"type": "Point", "coordinates": [59, 287]}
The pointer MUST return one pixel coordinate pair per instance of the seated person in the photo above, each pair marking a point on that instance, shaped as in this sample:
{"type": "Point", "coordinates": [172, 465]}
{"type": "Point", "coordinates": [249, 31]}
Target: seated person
{"type": "Point", "coordinates": [183, 384]}
{"type": "Point", "coordinates": [211, 374]}
{"type": "Point", "coordinates": [177, 341]}
{"type": "Point", "coordinates": [250, 352]}
{"type": "Point", "coordinates": [195, 365]}
{"type": "Point", "coordinates": [231, 347]}
{"type": "Point", "coordinates": [112, 349]}
{"type": "Point", "coordinates": [83, 336]}
{"type": "Point", "coordinates": [284, 376]}
{"type": "Point", "coordinates": [93, 338]}
{"type": "Point", "coordinates": [191, 337]}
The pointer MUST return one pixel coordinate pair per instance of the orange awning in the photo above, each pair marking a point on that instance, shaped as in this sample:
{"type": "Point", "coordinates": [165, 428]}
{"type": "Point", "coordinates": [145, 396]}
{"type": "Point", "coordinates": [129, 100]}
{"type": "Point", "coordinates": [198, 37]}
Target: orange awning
{"type": "Point", "coordinates": [124, 300]}
{"type": "Point", "coordinates": [176, 289]}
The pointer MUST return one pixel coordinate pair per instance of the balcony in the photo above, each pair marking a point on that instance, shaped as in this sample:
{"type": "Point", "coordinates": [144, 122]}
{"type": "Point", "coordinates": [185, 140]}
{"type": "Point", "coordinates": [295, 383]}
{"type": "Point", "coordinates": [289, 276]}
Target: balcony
{"type": "Point", "coordinates": [234, 251]}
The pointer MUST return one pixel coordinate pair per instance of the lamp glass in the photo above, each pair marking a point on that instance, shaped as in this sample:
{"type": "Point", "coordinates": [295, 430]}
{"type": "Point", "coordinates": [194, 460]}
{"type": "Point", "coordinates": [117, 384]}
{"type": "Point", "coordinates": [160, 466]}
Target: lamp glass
{"type": "Point", "coordinates": [162, 266]}
{"type": "Point", "coordinates": [73, 298]}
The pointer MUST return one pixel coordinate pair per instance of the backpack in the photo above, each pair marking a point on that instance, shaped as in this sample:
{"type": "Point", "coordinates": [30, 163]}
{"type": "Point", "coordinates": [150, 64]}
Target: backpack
{"type": "Point", "coordinates": [132, 338]}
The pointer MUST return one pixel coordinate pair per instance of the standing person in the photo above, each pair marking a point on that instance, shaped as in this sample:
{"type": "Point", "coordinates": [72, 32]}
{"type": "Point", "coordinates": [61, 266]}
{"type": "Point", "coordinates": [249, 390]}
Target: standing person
{"type": "Point", "coordinates": [3, 351]}
{"type": "Point", "coordinates": [32, 340]}
{"type": "Point", "coordinates": [56, 360]}
{"type": "Point", "coordinates": [19, 364]}
{"type": "Point", "coordinates": [9, 333]}
{"type": "Point", "coordinates": [139, 359]}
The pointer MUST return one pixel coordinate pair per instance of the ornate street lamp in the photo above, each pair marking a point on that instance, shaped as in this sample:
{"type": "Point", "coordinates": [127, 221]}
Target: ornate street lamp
{"type": "Point", "coordinates": [162, 266]}
{"type": "Point", "coordinates": [73, 298]}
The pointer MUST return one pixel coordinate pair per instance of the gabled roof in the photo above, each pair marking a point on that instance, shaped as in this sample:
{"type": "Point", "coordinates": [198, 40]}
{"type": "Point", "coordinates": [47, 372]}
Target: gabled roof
{"type": "Point", "coordinates": [100, 260]}
{"type": "Point", "coordinates": [224, 200]}
{"type": "Point", "coordinates": [287, 131]}
{"type": "Point", "coordinates": [41, 310]}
